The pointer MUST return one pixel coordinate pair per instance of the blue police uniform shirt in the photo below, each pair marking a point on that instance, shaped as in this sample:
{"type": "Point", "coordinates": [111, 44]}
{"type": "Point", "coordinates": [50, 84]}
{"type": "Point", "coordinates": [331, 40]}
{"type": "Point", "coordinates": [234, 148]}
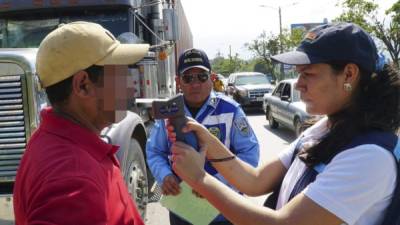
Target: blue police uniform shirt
{"type": "Point", "coordinates": [225, 119]}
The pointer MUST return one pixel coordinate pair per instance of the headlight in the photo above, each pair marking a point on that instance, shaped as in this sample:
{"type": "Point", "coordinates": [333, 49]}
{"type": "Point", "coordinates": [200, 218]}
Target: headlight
{"type": "Point", "coordinates": [242, 93]}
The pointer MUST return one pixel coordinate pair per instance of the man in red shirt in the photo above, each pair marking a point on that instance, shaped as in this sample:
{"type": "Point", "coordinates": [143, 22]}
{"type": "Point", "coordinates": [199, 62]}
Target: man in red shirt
{"type": "Point", "coordinates": [68, 175]}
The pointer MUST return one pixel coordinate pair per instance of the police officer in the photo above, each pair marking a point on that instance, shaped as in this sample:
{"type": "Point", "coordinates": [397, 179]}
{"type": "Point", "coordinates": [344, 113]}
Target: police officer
{"type": "Point", "coordinates": [222, 116]}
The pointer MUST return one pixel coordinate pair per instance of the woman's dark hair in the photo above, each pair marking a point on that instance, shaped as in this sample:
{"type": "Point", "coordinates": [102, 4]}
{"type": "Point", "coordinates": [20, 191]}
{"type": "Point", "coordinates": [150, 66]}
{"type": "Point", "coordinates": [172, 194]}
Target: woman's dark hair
{"type": "Point", "coordinates": [59, 92]}
{"type": "Point", "coordinates": [374, 106]}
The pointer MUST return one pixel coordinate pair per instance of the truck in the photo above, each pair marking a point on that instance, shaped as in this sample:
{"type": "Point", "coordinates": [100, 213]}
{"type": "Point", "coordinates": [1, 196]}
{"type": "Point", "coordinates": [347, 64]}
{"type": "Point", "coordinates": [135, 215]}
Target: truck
{"type": "Point", "coordinates": [25, 23]}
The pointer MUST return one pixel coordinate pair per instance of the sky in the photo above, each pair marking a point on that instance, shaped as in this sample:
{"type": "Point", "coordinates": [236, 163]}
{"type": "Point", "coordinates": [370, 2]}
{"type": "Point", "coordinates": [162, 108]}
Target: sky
{"type": "Point", "coordinates": [226, 25]}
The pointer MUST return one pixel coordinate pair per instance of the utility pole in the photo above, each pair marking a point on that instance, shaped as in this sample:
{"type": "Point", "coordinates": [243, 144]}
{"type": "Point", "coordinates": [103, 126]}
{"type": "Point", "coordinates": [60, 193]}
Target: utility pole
{"type": "Point", "coordinates": [280, 41]}
{"type": "Point", "coordinates": [282, 70]}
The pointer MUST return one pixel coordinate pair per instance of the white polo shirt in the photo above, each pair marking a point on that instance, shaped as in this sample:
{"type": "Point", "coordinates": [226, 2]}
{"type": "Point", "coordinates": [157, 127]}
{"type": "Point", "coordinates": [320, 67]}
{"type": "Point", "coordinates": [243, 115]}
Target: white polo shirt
{"type": "Point", "coordinates": [357, 185]}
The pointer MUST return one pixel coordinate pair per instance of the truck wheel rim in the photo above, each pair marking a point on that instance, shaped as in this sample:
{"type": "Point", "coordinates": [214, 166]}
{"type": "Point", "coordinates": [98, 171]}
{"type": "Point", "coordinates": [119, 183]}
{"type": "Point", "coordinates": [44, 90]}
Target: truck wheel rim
{"type": "Point", "coordinates": [137, 186]}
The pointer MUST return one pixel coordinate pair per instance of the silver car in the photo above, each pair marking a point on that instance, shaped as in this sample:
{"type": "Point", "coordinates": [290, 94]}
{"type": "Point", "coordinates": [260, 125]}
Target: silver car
{"type": "Point", "coordinates": [284, 107]}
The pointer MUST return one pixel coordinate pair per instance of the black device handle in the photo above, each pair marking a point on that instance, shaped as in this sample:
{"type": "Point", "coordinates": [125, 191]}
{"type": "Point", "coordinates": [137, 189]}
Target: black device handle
{"type": "Point", "coordinates": [173, 109]}
{"type": "Point", "coordinates": [178, 123]}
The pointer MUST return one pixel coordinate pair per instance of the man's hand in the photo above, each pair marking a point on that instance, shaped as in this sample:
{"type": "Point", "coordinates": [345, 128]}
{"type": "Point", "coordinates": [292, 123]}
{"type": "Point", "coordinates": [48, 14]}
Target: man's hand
{"type": "Point", "coordinates": [196, 194]}
{"type": "Point", "coordinates": [170, 185]}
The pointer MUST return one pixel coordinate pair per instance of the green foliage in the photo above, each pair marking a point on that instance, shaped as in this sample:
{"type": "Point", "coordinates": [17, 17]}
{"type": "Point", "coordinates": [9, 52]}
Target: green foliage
{"type": "Point", "coordinates": [228, 65]}
{"type": "Point", "coordinates": [291, 39]}
{"type": "Point", "coordinates": [225, 66]}
{"type": "Point", "coordinates": [395, 12]}
{"type": "Point", "coordinates": [263, 48]}
{"type": "Point", "coordinates": [358, 11]}
{"type": "Point", "coordinates": [266, 46]}
{"type": "Point", "coordinates": [363, 13]}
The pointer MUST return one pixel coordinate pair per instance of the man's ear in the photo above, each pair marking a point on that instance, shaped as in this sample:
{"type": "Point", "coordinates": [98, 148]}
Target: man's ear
{"type": "Point", "coordinates": [81, 84]}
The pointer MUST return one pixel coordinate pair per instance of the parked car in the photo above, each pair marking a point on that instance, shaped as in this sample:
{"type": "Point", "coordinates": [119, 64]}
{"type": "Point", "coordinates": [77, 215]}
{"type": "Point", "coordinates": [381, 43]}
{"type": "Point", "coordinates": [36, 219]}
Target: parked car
{"type": "Point", "coordinates": [248, 88]}
{"type": "Point", "coordinates": [284, 107]}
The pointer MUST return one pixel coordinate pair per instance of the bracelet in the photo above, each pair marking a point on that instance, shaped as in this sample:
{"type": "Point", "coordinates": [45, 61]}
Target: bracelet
{"type": "Point", "coordinates": [222, 159]}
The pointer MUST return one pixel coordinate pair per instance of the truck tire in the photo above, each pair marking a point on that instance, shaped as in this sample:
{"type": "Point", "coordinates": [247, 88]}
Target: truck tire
{"type": "Point", "coordinates": [136, 176]}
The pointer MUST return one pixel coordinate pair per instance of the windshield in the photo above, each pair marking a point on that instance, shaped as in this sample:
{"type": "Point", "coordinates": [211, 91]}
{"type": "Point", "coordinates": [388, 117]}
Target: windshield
{"type": "Point", "coordinates": [252, 79]}
{"type": "Point", "coordinates": [28, 33]}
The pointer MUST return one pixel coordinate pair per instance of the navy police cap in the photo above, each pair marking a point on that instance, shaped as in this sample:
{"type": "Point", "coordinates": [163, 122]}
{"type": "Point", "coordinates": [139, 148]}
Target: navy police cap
{"type": "Point", "coordinates": [193, 58]}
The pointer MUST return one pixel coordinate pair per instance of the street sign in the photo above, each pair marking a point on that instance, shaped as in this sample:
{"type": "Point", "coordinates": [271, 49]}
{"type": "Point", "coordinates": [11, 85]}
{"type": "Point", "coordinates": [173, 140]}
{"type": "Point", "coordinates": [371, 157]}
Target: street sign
{"type": "Point", "coordinates": [287, 67]}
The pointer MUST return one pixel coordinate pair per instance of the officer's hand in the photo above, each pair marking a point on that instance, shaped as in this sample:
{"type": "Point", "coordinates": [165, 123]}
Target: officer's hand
{"type": "Point", "coordinates": [170, 185]}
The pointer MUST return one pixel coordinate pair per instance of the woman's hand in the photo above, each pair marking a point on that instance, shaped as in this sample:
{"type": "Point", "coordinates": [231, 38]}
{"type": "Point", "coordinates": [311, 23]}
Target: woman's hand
{"type": "Point", "coordinates": [187, 162]}
{"type": "Point", "coordinates": [204, 137]}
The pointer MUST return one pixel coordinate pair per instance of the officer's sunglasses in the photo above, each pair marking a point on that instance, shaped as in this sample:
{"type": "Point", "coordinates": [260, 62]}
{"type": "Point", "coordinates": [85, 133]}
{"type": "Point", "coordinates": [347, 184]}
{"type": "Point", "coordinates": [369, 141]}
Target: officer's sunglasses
{"type": "Point", "coordinates": [189, 78]}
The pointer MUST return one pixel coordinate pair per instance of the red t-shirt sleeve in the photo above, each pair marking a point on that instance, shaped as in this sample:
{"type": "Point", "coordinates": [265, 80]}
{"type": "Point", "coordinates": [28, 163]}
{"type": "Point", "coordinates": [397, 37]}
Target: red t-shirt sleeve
{"type": "Point", "coordinates": [71, 200]}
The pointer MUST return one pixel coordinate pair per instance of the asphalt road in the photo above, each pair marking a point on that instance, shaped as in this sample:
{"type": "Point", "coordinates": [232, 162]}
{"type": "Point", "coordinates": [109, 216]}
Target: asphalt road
{"type": "Point", "coordinates": [272, 141]}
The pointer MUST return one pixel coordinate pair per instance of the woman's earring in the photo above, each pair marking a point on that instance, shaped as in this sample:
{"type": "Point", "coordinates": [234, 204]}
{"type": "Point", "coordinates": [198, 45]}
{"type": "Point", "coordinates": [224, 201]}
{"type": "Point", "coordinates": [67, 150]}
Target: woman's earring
{"type": "Point", "coordinates": [347, 87]}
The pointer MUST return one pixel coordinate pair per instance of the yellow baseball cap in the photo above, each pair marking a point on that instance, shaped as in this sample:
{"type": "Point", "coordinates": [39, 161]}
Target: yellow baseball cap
{"type": "Point", "coordinates": [76, 46]}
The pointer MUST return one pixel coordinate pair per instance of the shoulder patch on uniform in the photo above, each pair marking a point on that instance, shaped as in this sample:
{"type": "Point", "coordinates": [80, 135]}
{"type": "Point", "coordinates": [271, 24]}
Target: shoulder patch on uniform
{"type": "Point", "coordinates": [215, 131]}
{"type": "Point", "coordinates": [242, 125]}
{"type": "Point", "coordinates": [213, 102]}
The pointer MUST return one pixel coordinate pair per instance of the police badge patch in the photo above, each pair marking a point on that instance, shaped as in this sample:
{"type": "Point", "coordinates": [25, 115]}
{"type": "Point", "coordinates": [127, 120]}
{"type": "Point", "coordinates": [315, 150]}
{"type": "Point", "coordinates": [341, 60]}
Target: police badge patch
{"type": "Point", "coordinates": [214, 102]}
{"type": "Point", "coordinates": [242, 125]}
{"type": "Point", "coordinates": [215, 131]}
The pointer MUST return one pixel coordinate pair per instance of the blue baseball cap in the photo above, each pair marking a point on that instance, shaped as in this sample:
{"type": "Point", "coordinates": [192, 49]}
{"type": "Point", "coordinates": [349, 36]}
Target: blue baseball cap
{"type": "Point", "coordinates": [193, 58]}
{"type": "Point", "coordinates": [334, 42]}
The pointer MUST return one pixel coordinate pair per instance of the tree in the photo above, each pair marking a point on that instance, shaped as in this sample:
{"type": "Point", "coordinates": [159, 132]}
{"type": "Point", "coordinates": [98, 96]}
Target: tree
{"type": "Point", "coordinates": [391, 35]}
{"type": "Point", "coordinates": [395, 11]}
{"type": "Point", "coordinates": [291, 39]}
{"type": "Point", "coordinates": [363, 13]}
{"type": "Point", "coordinates": [229, 65]}
{"type": "Point", "coordinates": [263, 48]}
{"type": "Point", "coordinates": [359, 12]}
{"type": "Point", "coordinates": [266, 46]}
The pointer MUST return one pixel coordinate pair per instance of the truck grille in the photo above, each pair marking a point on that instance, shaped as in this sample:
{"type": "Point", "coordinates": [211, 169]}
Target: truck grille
{"type": "Point", "coordinates": [258, 93]}
{"type": "Point", "coordinates": [12, 126]}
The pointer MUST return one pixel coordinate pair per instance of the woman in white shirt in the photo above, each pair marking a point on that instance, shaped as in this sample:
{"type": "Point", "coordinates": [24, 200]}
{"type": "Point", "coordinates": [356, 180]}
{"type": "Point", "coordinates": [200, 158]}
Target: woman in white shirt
{"type": "Point", "coordinates": [342, 170]}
